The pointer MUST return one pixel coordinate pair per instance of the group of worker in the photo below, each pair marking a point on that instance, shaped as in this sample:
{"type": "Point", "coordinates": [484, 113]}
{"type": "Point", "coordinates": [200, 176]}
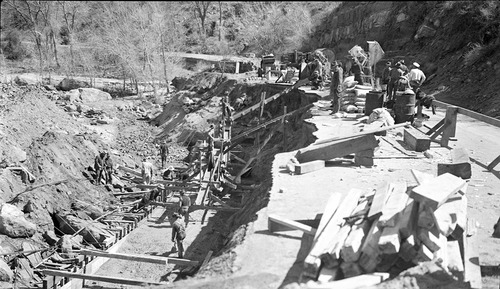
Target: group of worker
{"type": "Point", "coordinates": [103, 166]}
{"type": "Point", "coordinates": [397, 77]}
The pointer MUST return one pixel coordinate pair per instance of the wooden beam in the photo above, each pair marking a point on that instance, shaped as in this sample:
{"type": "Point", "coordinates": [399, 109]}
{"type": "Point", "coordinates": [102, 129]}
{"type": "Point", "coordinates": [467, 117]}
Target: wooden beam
{"type": "Point", "coordinates": [470, 113]}
{"type": "Point", "coordinates": [329, 211]}
{"type": "Point", "coordinates": [312, 262]}
{"type": "Point", "coordinates": [382, 193]}
{"type": "Point", "coordinates": [336, 149]}
{"type": "Point", "coordinates": [290, 223]}
{"type": "Point", "coordinates": [435, 127]}
{"type": "Point", "coordinates": [370, 253]}
{"type": "Point", "coordinates": [450, 122]}
{"type": "Point", "coordinates": [269, 99]}
{"type": "Point", "coordinates": [176, 183]}
{"type": "Point", "coordinates": [363, 133]}
{"type": "Point", "coordinates": [351, 250]}
{"type": "Point", "coordinates": [364, 280]}
{"type": "Point", "coordinates": [438, 190]}
{"type": "Point", "coordinates": [100, 278]}
{"type": "Point", "coordinates": [308, 167]}
{"type": "Point", "coordinates": [459, 166]}
{"type": "Point", "coordinates": [494, 163]}
{"type": "Point", "coordinates": [129, 170]}
{"type": "Point", "coordinates": [416, 140]}
{"type": "Point", "coordinates": [471, 260]}
{"type": "Point", "coordinates": [131, 193]}
{"type": "Point", "coordinates": [429, 238]}
{"type": "Point", "coordinates": [394, 206]}
{"type": "Point", "coordinates": [455, 262]}
{"type": "Point", "coordinates": [140, 258]}
{"type": "Point", "coordinates": [452, 214]}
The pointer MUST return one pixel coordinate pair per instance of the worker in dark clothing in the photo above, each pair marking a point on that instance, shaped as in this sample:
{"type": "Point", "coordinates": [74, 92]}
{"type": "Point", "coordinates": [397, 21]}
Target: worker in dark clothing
{"type": "Point", "coordinates": [396, 73]}
{"type": "Point", "coordinates": [169, 174]}
{"type": "Point", "coordinates": [163, 153]}
{"type": "Point", "coordinates": [178, 234]}
{"type": "Point", "coordinates": [404, 67]}
{"type": "Point", "coordinates": [356, 70]}
{"type": "Point", "coordinates": [386, 77]}
{"type": "Point", "coordinates": [99, 167]}
{"type": "Point", "coordinates": [336, 86]}
{"type": "Point", "coordinates": [108, 168]}
{"type": "Point", "coordinates": [184, 204]}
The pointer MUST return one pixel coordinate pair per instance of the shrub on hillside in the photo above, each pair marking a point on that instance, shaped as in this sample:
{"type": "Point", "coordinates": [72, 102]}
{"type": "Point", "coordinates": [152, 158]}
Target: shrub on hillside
{"type": "Point", "coordinates": [12, 46]}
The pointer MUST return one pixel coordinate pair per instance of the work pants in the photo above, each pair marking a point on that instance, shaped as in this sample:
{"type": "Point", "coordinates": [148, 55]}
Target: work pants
{"type": "Point", "coordinates": [180, 248]}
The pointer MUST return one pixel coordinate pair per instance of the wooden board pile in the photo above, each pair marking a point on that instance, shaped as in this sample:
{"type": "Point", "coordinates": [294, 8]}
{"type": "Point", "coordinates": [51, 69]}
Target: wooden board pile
{"type": "Point", "coordinates": [393, 228]}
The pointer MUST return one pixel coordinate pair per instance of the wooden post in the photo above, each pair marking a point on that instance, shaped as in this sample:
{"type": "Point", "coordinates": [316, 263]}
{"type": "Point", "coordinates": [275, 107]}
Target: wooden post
{"type": "Point", "coordinates": [451, 121]}
{"type": "Point", "coordinates": [284, 128]}
{"type": "Point", "coordinates": [237, 70]}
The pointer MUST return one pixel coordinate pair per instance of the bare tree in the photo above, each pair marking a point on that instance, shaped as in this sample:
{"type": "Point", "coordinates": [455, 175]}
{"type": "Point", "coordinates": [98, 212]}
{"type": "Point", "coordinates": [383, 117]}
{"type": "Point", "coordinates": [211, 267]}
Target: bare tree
{"type": "Point", "coordinates": [201, 9]}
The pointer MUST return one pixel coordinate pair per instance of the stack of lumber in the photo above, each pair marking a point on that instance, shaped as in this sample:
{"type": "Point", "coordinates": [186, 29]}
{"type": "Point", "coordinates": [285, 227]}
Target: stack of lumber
{"type": "Point", "coordinates": [393, 228]}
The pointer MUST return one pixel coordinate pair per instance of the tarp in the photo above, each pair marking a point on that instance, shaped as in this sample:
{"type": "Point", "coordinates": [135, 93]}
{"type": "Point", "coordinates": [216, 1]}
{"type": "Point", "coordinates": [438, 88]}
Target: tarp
{"type": "Point", "coordinates": [376, 52]}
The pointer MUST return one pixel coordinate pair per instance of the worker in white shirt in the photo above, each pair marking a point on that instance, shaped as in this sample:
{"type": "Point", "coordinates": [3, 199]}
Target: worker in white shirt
{"type": "Point", "coordinates": [416, 77]}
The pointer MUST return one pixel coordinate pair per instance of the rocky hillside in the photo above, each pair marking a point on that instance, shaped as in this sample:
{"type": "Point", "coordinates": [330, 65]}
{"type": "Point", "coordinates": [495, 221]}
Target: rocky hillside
{"type": "Point", "coordinates": [456, 43]}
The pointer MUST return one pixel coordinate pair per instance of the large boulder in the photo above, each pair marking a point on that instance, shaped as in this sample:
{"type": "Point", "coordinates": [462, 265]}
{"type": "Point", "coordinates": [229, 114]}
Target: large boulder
{"type": "Point", "coordinates": [93, 232]}
{"type": "Point", "coordinates": [68, 84]}
{"type": "Point", "coordinates": [6, 273]}
{"type": "Point", "coordinates": [72, 95]}
{"type": "Point", "coordinates": [13, 155]}
{"type": "Point", "coordinates": [93, 95]}
{"type": "Point", "coordinates": [13, 223]}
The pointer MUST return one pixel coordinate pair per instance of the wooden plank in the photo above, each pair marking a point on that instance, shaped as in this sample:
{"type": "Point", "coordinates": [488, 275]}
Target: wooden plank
{"type": "Point", "coordinates": [269, 99]}
{"type": "Point", "coordinates": [394, 206]}
{"type": "Point", "coordinates": [330, 209]}
{"type": "Point", "coordinates": [364, 280]}
{"type": "Point", "coordinates": [429, 237]}
{"type": "Point", "coordinates": [435, 127]}
{"type": "Point", "coordinates": [442, 253]}
{"type": "Point", "coordinates": [143, 186]}
{"type": "Point", "coordinates": [435, 192]}
{"type": "Point", "coordinates": [425, 217]}
{"type": "Point", "coordinates": [450, 122]}
{"type": "Point", "coordinates": [421, 177]}
{"type": "Point", "coordinates": [336, 149]}
{"type": "Point", "coordinates": [308, 167]}
{"type": "Point", "coordinates": [138, 193]}
{"type": "Point", "coordinates": [471, 259]}
{"type": "Point", "coordinates": [470, 113]}
{"type": "Point", "coordinates": [312, 262]}
{"type": "Point", "coordinates": [439, 131]}
{"type": "Point", "coordinates": [408, 250]}
{"type": "Point", "coordinates": [423, 255]}
{"type": "Point", "coordinates": [459, 166]}
{"type": "Point", "coordinates": [494, 163]}
{"type": "Point", "coordinates": [455, 262]}
{"type": "Point", "coordinates": [408, 220]}
{"type": "Point", "coordinates": [364, 158]}
{"type": "Point", "coordinates": [178, 184]}
{"type": "Point", "coordinates": [351, 250]}
{"type": "Point", "coordinates": [140, 258]}
{"type": "Point", "coordinates": [451, 214]}
{"type": "Point", "coordinates": [129, 170]}
{"type": "Point", "coordinates": [290, 223]}
{"type": "Point", "coordinates": [370, 253]}
{"type": "Point", "coordinates": [359, 134]}
{"type": "Point", "coordinates": [382, 193]}
{"type": "Point", "coordinates": [328, 274]}
{"type": "Point", "coordinates": [338, 241]}
{"type": "Point", "coordinates": [416, 140]}
{"type": "Point", "coordinates": [100, 278]}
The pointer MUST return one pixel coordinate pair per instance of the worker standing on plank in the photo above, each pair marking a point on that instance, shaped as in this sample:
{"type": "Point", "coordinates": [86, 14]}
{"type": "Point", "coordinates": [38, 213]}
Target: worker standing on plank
{"type": "Point", "coordinates": [147, 171]}
{"type": "Point", "coordinates": [163, 153]}
{"type": "Point", "coordinates": [178, 234]}
{"type": "Point", "coordinates": [184, 204]}
{"type": "Point", "coordinates": [336, 86]}
{"type": "Point", "coordinates": [99, 167]}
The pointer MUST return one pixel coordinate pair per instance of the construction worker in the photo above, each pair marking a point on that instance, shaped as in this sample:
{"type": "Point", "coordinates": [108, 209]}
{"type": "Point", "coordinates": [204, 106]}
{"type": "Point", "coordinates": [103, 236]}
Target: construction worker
{"type": "Point", "coordinates": [416, 77]}
{"type": "Point", "coordinates": [163, 153]}
{"type": "Point", "coordinates": [386, 77]}
{"type": "Point", "coordinates": [108, 168]}
{"type": "Point", "coordinates": [336, 86]}
{"type": "Point", "coordinates": [184, 204]}
{"type": "Point", "coordinates": [404, 67]}
{"type": "Point", "coordinates": [178, 234]}
{"type": "Point", "coordinates": [147, 171]}
{"type": "Point", "coordinates": [396, 72]}
{"type": "Point", "coordinates": [169, 174]}
{"type": "Point", "coordinates": [99, 167]}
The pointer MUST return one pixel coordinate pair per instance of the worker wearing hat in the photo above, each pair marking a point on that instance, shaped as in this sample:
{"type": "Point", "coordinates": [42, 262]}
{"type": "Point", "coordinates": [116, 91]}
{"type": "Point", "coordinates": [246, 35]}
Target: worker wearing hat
{"type": "Point", "coordinates": [386, 76]}
{"type": "Point", "coordinates": [416, 76]}
{"type": "Point", "coordinates": [396, 73]}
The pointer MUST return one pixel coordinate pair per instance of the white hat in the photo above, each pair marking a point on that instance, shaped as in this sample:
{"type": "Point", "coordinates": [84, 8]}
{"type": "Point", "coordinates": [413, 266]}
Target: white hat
{"type": "Point", "coordinates": [416, 64]}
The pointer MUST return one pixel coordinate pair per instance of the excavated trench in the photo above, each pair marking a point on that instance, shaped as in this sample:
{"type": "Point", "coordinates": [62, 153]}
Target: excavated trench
{"type": "Point", "coordinates": [226, 230]}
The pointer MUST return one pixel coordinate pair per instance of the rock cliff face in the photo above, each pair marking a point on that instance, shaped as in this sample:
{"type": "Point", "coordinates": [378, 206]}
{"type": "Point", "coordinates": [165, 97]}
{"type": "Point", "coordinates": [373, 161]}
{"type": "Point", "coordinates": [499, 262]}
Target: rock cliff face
{"type": "Point", "coordinates": [456, 43]}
